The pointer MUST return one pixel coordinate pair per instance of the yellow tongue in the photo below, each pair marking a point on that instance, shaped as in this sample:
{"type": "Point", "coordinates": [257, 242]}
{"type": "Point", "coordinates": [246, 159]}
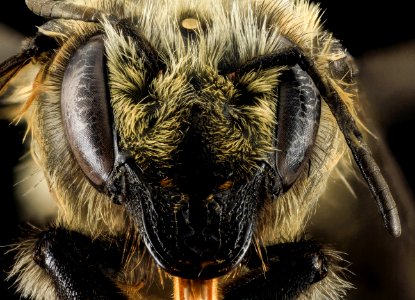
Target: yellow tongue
{"type": "Point", "coordinates": [188, 289]}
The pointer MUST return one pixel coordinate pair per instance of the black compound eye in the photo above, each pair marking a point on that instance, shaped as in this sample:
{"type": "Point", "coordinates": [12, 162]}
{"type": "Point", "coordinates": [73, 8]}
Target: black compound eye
{"type": "Point", "coordinates": [299, 108]}
{"type": "Point", "coordinates": [85, 111]}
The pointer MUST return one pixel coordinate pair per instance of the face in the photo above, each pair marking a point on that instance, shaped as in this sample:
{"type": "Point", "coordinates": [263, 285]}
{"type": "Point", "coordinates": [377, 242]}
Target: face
{"type": "Point", "coordinates": [188, 151]}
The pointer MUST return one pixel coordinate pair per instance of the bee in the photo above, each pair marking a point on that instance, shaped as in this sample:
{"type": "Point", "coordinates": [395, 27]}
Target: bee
{"type": "Point", "coordinates": [186, 144]}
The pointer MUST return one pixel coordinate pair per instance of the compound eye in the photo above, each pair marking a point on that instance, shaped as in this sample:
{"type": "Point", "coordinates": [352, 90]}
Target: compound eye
{"type": "Point", "coordinates": [85, 112]}
{"type": "Point", "coordinates": [299, 109]}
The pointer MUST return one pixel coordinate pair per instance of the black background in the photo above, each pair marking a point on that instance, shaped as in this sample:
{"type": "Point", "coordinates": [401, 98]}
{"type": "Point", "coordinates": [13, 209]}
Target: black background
{"type": "Point", "coordinates": [365, 31]}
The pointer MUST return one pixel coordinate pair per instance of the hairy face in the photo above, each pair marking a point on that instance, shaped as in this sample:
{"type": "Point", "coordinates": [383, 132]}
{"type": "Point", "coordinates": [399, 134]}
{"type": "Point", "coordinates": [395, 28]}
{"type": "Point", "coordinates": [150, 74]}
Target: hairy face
{"type": "Point", "coordinates": [165, 112]}
{"type": "Point", "coordinates": [200, 135]}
